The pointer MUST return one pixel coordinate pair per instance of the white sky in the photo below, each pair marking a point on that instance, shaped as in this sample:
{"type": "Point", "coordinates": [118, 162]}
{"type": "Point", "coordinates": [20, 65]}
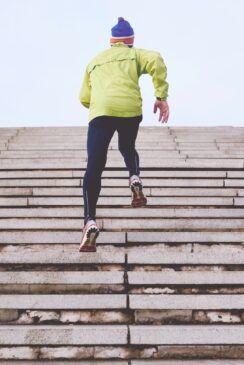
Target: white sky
{"type": "Point", "coordinates": [46, 45]}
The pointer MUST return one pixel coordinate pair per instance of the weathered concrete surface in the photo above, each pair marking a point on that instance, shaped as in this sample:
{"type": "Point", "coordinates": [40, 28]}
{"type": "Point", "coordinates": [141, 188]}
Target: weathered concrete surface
{"type": "Point", "coordinates": [69, 301]}
{"type": "Point", "coordinates": [172, 334]}
{"type": "Point", "coordinates": [63, 335]}
{"type": "Point", "coordinates": [166, 284]}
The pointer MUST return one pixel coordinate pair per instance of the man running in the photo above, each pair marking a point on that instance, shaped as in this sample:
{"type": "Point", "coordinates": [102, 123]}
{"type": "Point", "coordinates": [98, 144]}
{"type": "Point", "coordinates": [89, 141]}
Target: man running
{"type": "Point", "coordinates": [111, 92]}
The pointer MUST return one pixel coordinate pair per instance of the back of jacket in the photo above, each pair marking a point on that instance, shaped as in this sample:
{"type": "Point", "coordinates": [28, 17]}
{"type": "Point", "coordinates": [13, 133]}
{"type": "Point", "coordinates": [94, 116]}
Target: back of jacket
{"type": "Point", "coordinates": [110, 85]}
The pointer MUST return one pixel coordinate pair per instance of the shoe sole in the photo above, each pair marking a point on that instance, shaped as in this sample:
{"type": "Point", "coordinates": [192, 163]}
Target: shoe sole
{"type": "Point", "coordinates": [138, 198]}
{"type": "Point", "coordinates": [137, 203]}
{"type": "Point", "coordinates": [90, 244]}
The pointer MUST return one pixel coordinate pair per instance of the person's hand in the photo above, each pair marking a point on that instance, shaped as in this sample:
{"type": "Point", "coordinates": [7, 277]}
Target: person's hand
{"type": "Point", "coordinates": [163, 107]}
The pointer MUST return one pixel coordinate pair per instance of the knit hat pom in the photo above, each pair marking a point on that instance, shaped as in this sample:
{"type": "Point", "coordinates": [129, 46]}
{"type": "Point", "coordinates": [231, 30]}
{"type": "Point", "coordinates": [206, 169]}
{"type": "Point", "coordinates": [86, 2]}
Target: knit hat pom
{"type": "Point", "coordinates": [122, 28]}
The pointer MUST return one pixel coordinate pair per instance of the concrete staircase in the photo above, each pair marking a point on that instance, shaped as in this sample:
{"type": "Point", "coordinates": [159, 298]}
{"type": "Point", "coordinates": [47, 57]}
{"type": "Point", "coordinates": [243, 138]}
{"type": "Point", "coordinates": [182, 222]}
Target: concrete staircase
{"type": "Point", "coordinates": [166, 285]}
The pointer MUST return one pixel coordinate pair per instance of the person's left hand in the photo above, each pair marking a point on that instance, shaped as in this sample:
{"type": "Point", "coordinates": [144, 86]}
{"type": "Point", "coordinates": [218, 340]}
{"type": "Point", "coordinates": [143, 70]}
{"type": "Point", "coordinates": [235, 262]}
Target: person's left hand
{"type": "Point", "coordinates": [163, 107]}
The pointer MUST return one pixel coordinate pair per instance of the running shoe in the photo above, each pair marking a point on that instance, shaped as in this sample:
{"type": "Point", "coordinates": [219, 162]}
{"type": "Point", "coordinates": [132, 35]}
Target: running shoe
{"type": "Point", "coordinates": [138, 199]}
{"type": "Point", "coordinates": [89, 236]}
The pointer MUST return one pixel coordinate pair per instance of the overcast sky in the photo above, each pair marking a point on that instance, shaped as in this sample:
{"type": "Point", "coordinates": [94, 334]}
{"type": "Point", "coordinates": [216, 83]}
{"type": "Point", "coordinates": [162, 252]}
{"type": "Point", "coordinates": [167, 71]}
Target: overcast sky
{"type": "Point", "coordinates": [46, 45]}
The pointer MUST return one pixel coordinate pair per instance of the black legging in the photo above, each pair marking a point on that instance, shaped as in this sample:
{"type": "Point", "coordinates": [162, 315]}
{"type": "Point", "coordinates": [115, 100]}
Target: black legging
{"type": "Point", "coordinates": [100, 132]}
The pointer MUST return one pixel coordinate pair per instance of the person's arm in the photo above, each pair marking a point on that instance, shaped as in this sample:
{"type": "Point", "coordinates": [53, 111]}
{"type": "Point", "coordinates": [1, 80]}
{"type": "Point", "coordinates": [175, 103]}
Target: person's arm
{"type": "Point", "coordinates": [152, 63]}
{"type": "Point", "coordinates": [85, 91]}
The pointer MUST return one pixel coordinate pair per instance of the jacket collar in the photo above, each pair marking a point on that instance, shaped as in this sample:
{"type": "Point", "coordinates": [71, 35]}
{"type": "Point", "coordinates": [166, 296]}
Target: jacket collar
{"type": "Point", "coordinates": [119, 44]}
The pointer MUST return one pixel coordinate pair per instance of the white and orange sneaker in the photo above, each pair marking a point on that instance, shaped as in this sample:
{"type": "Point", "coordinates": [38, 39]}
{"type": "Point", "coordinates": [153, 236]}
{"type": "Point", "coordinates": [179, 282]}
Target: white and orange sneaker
{"type": "Point", "coordinates": [89, 236]}
{"type": "Point", "coordinates": [137, 196]}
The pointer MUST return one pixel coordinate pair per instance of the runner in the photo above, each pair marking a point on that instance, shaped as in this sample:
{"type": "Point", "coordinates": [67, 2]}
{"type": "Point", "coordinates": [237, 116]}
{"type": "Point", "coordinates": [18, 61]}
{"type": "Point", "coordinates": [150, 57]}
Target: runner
{"type": "Point", "coordinates": [111, 91]}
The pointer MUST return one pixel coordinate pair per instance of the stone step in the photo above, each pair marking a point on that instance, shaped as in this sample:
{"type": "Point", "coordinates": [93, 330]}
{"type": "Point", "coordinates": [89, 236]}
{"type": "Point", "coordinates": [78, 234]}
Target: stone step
{"type": "Point", "coordinates": [122, 191]}
{"type": "Point", "coordinates": [196, 143]}
{"type": "Point", "coordinates": [137, 224]}
{"type": "Point", "coordinates": [117, 334]}
{"type": "Point", "coordinates": [40, 182]}
{"type": "Point", "coordinates": [203, 147]}
{"type": "Point", "coordinates": [186, 278]}
{"type": "Point", "coordinates": [42, 187]}
{"type": "Point", "coordinates": [175, 301]}
{"type": "Point", "coordinates": [110, 201]}
{"type": "Point", "coordinates": [118, 301]}
{"type": "Point", "coordinates": [66, 278]}
{"type": "Point", "coordinates": [115, 155]}
{"type": "Point", "coordinates": [4, 202]}
{"type": "Point", "coordinates": [177, 224]}
{"type": "Point", "coordinates": [195, 253]}
{"type": "Point", "coordinates": [230, 144]}
{"type": "Point", "coordinates": [190, 334]}
{"type": "Point", "coordinates": [134, 278]}
{"type": "Point", "coordinates": [124, 201]}
{"type": "Point", "coordinates": [238, 201]}
{"type": "Point", "coordinates": [121, 174]}
{"type": "Point", "coordinates": [70, 163]}
{"type": "Point", "coordinates": [9, 131]}
{"type": "Point", "coordinates": [235, 174]}
{"type": "Point", "coordinates": [234, 182]}
{"type": "Point", "coordinates": [220, 154]}
{"type": "Point", "coordinates": [157, 254]}
{"type": "Point", "coordinates": [161, 182]}
{"type": "Point", "coordinates": [67, 335]}
{"type": "Point", "coordinates": [63, 301]}
{"type": "Point", "coordinates": [80, 141]}
{"type": "Point", "coordinates": [150, 237]}
{"type": "Point", "coordinates": [64, 254]}
{"type": "Point", "coordinates": [188, 191]}
{"type": "Point", "coordinates": [241, 192]}
{"type": "Point", "coordinates": [67, 237]}
{"type": "Point", "coordinates": [80, 144]}
{"type": "Point", "coordinates": [147, 212]}
{"type": "Point", "coordinates": [112, 154]}
{"type": "Point", "coordinates": [24, 174]}
{"type": "Point", "coordinates": [119, 238]}
{"type": "Point", "coordinates": [119, 182]}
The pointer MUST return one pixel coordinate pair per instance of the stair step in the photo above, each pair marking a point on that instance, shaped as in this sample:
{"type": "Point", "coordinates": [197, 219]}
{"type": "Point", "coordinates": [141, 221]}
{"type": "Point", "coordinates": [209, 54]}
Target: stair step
{"type": "Point", "coordinates": [186, 278]}
{"type": "Point", "coordinates": [56, 277]}
{"type": "Point", "coordinates": [180, 334]}
{"type": "Point", "coordinates": [67, 335]}
{"type": "Point", "coordinates": [143, 212]}
{"type": "Point", "coordinates": [65, 301]}
{"type": "Point", "coordinates": [72, 163]}
{"type": "Point", "coordinates": [58, 254]}
{"type": "Point", "coordinates": [125, 224]}
{"type": "Point", "coordinates": [195, 253]}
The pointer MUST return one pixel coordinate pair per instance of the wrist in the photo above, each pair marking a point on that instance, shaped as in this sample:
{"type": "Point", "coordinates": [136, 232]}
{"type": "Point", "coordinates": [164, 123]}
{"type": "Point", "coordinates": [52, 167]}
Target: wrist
{"type": "Point", "coordinates": [161, 99]}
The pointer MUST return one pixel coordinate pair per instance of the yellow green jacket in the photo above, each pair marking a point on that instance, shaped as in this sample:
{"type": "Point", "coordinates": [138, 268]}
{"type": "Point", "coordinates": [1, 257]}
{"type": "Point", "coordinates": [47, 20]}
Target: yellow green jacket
{"type": "Point", "coordinates": [110, 85]}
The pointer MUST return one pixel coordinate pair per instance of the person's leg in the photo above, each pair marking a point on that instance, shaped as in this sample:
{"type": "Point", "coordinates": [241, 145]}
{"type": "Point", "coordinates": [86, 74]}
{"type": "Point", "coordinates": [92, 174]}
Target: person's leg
{"type": "Point", "coordinates": [127, 132]}
{"type": "Point", "coordinates": [100, 132]}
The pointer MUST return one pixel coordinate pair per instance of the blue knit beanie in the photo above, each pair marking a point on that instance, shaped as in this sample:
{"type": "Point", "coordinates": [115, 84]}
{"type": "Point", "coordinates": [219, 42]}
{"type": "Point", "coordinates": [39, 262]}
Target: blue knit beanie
{"type": "Point", "coordinates": [122, 32]}
{"type": "Point", "coordinates": [122, 29]}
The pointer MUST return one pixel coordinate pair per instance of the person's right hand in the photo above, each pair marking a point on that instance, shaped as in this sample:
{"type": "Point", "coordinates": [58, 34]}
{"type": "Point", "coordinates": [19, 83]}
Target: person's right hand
{"type": "Point", "coordinates": [163, 107]}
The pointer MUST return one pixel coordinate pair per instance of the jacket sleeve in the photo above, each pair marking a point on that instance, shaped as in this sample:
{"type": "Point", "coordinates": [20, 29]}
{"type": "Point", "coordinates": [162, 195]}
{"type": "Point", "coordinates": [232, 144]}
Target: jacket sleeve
{"type": "Point", "coordinates": [152, 63]}
{"type": "Point", "coordinates": [85, 91]}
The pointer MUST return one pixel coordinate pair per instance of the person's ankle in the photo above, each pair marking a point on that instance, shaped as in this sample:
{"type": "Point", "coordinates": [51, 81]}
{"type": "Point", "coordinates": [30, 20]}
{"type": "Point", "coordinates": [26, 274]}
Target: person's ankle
{"type": "Point", "coordinates": [135, 177]}
{"type": "Point", "coordinates": [132, 177]}
{"type": "Point", "coordinates": [89, 219]}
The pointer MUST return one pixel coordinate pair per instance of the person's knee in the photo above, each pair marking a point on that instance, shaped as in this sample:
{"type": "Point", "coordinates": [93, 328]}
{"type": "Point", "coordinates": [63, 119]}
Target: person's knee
{"type": "Point", "coordinates": [126, 150]}
{"type": "Point", "coordinates": [95, 168]}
